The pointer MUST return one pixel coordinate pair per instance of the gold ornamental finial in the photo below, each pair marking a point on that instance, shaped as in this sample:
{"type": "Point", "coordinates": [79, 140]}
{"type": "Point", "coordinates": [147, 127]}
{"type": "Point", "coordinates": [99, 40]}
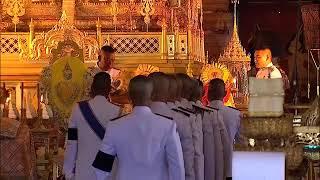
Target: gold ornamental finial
{"type": "Point", "coordinates": [234, 50]}
{"type": "Point", "coordinates": [16, 9]}
{"type": "Point", "coordinates": [63, 22]}
{"type": "Point", "coordinates": [98, 24]}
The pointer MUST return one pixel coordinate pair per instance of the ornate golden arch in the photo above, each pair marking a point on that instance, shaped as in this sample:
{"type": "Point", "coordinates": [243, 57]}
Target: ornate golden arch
{"type": "Point", "coordinates": [43, 46]}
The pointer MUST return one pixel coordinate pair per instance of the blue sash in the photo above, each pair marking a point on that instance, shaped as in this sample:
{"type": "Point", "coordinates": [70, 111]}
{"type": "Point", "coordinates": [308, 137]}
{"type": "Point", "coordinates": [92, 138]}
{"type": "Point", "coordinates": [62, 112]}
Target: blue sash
{"type": "Point", "coordinates": [91, 119]}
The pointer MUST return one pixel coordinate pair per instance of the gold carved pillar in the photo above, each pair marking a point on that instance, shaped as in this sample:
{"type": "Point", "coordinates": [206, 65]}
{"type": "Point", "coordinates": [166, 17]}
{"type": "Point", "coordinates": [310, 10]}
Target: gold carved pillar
{"type": "Point", "coordinates": [189, 32]}
{"type": "Point", "coordinates": [164, 51]}
{"type": "Point", "coordinates": [99, 35]}
{"type": "Point", "coordinates": [68, 6]}
{"type": "Point", "coordinates": [31, 34]}
{"type": "Point", "coordinates": [177, 39]}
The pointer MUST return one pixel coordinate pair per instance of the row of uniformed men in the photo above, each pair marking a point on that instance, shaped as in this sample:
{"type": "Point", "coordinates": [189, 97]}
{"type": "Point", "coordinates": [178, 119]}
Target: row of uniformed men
{"type": "Point", "coordinates": [168, 135]}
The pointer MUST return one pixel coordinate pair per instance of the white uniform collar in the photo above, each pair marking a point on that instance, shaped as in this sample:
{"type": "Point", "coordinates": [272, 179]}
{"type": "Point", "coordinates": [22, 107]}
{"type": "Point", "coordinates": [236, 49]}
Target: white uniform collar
{"type": "Point", "coordinates": [171, 105]}
{"type": "Point", "coordinates": [270, 65]}
{"type": "Point", "coordinates": [177, 103]}
{"type": "Point", "coordinates": [141, 110]}
{"type": "Point", "coordinates": [108, 71]}
{"type": "Point", "coordinates": [197, 103]}
{"type": "Point", "coordinates": [216, 104]}
{"type": "Point", "coordinates": [159, 104]}
{"type": "Point", "coordinates": [100, 98]}
{"type": "Point", "coordinates": [184, 100]}
{"type": "Point", "coordinates": [185, 103]}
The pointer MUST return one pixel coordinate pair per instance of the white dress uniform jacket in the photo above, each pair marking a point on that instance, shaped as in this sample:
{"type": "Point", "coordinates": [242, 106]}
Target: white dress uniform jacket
{"type": "Point", "coordinates": [184, 128]}
{"type": "Point", "coordinates": [199, 154]}
{"type": "Point", "coordinates": [146, 145]}
{"type": "Point", "coordinates": [270, 72]}
{"type": "Point", "coordinates": [83, 144]}
{"type": "Point", "coordinates": [217, 147]}
{"type": "Point", "coordinates": [197, 136]}
{"type": "Point", "coordinates": [231, 119]}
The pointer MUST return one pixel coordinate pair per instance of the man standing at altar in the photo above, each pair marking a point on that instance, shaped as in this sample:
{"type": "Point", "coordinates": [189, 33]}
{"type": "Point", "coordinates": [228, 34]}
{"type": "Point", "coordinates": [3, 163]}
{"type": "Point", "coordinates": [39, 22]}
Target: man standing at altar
{"type": "Point", "coordinates": [263, 61]}
{"type": "Point", "coordinates": [105, 63]}
{"type": "Point", "coordinates": [86, 129]}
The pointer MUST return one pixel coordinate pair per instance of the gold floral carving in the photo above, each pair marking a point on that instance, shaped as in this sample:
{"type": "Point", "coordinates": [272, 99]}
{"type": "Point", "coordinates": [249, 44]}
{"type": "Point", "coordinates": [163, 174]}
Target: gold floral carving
{"type": "Point", "coordinates": [147, 10]}
{"type": "Point", "coordinates": [146, 69]}
{"type": "Point", "coordinates": [14, 8]}
{"type": "Point", "coordinates": [114, 11]}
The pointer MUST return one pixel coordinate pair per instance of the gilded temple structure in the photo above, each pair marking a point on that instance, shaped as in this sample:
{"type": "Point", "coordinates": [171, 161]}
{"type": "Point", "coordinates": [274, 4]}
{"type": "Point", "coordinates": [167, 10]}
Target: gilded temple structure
{"type": "Point", "coordinates": [237, 61]}
{"type": "Point", "coordinates": [166, 34]}
{"type": "Point", "coordinates": [153, 34]}
{"type": "Point", "coordinates": [47, 47]}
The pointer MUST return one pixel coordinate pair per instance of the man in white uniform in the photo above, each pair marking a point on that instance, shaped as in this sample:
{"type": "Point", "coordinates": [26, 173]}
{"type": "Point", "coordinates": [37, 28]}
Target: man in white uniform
{"type": "Point", "coordinates": [217, 144]}
{"type": "Point", "coordinates": [146, 145]}
{"type": "Point", "coordinates": [231, 116]}
{"type": "Point", "coordinates": [83, 143]}
{"type": "Point", "coordinates": [267, 70]}
{"type": "Point", "coordinates": [160, 95]}
{"type": "Point", "coordinates": [187, 89]}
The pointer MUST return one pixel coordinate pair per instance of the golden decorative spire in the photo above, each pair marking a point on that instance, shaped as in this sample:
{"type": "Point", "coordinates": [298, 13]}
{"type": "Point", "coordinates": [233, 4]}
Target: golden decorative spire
{"type": "Point", "coordinates": [64, 21]}
{"type": "Point", "coordinates": [234, 50]}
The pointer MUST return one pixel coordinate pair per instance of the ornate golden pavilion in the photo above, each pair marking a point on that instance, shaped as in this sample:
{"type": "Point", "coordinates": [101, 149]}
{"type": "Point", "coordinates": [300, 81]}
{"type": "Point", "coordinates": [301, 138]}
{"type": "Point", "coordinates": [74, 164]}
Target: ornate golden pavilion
{"type": "Point", "coordinates": [163, 34]}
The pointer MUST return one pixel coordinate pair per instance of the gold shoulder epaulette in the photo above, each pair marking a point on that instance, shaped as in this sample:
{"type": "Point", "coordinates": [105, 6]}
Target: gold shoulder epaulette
{"type": "Point", "coordinates": [164, 116]}
{"type": "Point", "coordinates": [180, 111]}
{"type": "Point", "coordinates": [188, 110]}
{"type": "Point", "coordinates": [118, 117]}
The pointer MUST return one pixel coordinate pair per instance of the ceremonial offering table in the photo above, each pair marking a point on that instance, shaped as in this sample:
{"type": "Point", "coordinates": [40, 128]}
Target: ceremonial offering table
{"type": "Point", "coordinates": [272, 135]}
{"type": "Point", "coordinates": [17, 152]}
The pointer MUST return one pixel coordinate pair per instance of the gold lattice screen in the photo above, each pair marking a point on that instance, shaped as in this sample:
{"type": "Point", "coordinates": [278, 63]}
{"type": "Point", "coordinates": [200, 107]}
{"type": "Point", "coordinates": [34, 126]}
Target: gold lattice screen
{"type": "Point", "coordinates": [136, 45]}
{"type": "Point", "coordinates": [11, 44]}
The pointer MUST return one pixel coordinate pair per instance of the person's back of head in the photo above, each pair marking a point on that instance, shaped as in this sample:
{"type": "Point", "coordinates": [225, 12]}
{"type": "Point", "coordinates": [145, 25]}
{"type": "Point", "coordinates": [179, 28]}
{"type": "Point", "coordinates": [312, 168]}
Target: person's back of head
{"type": "Point", "coordinates": [187, 85]}
{"type": "Point", "coordinates": [200, 83]}
{"type": "Point", "coordinates": [216, 90]}
{"type": "Point", "coordinates": [160, 86]}
{"type": "Point", "coordinates": [179, 87]}
{"type": "Point", "coordinates": [140, 90]}
{"type": "Point", "coordinates": [101, 85]}
{"type": "Point", "coordinates": [196, 90]}
{"type": "Point", "coordinates": [173, 88]}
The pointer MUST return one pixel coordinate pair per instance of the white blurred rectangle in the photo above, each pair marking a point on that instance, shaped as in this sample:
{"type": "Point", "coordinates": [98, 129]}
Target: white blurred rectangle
{"type": "Point", "coordinates": [258, 166]}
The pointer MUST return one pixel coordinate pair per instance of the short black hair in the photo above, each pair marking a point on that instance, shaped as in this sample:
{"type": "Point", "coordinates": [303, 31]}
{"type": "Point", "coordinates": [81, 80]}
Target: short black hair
{"type": "Point", "coordinates": [161, 85]}
{"type": "Point", "coordinates": [140, 89]}
{"type": "Point", "coordinates": [200, 83]}
{"type": "Point", "coordinates": [107, 48]}
{"type": "Point", "coordinates": [154, 74]}
{"type": "Point", "coordinates": [216, 90]}
{"type": "Point", "coordinates": [197, 90]}
{"type": "Point", "coordinates": [187, 85]}
{"type": "Point", "coordinates": [101, 84]}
